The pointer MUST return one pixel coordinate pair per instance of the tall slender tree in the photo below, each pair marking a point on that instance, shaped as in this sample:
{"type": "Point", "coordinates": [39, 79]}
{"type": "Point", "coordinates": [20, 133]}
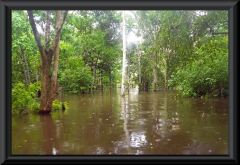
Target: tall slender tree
{"type": "Point", "coordinates": [124, 65]}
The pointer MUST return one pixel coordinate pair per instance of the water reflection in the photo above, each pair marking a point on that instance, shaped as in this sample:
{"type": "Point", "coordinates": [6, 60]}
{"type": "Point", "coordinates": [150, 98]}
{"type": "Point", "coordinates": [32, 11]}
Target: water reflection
{"type": "Point", "coordinates": [141, 123]}
{"type": "Point", "coordinates": [125, 109]}
{"type": "Point", "coordinates": [49, 132]}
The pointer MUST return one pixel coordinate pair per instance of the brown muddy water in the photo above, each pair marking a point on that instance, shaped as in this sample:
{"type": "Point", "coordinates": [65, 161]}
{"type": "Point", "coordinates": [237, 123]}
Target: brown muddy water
{"type": "Point", "coordinates": [142, 123]}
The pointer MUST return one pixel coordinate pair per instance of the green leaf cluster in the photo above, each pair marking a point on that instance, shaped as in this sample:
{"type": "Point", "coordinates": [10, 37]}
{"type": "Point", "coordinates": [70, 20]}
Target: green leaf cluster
{"type": "Point", "coordinates": [25, 98]}
{"type": "Point", "coordinates": [58, 105]}
{"type": "Point", "coordinates": [76, 76]}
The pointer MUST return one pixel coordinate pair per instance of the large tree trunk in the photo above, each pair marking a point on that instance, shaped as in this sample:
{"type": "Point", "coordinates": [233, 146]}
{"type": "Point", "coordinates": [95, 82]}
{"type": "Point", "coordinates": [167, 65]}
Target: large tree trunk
{"type": "Point", "coordinates": [124, 58]}
{"type": "Point", "coordinates": [45, 105]}
{"type": "Point", "coordinates": [47, 87]}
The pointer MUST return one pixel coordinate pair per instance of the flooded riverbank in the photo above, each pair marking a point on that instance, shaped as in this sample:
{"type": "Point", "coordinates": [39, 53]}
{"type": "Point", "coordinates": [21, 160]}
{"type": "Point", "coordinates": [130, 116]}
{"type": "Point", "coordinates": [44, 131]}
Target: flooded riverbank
{"type": "Point", "coordinates": [141, 123]}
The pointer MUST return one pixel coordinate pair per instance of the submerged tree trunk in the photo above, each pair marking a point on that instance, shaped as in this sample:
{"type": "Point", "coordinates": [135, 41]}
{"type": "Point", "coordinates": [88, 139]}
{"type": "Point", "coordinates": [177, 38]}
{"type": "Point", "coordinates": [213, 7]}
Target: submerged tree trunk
{"type": "Point", "coordinates": [46, 52]}
{"type": "Point", "coordinates": [124, 59]}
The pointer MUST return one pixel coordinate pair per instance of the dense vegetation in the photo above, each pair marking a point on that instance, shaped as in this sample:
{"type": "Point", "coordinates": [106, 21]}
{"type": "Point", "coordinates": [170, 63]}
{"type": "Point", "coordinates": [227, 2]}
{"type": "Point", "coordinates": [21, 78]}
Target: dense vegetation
{"type": "Point", "coordinates": [183, 50]}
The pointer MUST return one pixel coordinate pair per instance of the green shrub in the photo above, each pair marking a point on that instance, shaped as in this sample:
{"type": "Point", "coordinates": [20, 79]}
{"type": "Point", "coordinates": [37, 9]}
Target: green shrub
{"type": "Point", "coordinates": [77, 73]}
{"type": "Point", "coordinates": [207, 75]}
{"type": "Point", "coordinates": [57, 105]}
{"type": "Point", "coordinates": [65, 105]}
{"type": "Point", "coordinates": [23, 98]}
{"type": "Point", "coordinates": [35, 106]}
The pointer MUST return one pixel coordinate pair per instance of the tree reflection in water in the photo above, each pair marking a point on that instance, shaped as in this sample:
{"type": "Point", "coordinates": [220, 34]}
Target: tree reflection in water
{"type": "Point", "coordinates": [51, 144]}
{"type": "Point", "coordinates": [125, 106]}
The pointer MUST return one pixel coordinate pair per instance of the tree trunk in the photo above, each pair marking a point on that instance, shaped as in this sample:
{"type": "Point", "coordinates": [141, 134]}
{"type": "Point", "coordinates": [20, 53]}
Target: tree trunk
{"type": "Point", "coordinates": [55, 64]}
{"type": "Point", "coordinates": [165, 85]}
{"type": "Point", "coordinates": [124, 58]}
{"type": "Point", "coordinates": [47, 87]}
{"type": "Point", "coordinates": [45, 105]}
{"type": "Point", "coordinates": [110, 83]}
{"type": "Point", "coordinates": [155, 60]}
{"type": "Point", "coordinates": [139, 69]}
{"type": "Point", "coordinates": [47, 30]}
{"type": "Point", "coordinates": [128, 79]}
{"type": "Point", "coordinates": [57, 88]}
{"type": "Point", "coordinates": [166, 75]}
{"type": "Point", "coordinates": [154, 79]}
{"type": "Point", "coordinates": [146, 86]}
{"type": "Point", "coordinates": [25, 66]}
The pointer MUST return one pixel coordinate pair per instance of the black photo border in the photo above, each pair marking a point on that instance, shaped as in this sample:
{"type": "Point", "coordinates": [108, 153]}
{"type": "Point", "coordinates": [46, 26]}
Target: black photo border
{"type": "Point", "coordinates": [5, 76]}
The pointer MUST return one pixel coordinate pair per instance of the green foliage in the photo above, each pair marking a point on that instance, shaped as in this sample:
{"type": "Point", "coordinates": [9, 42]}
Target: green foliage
{"type": "Point", "coordinates": [20, 98]}
{"type": "Point", "coordinates": [23, 98]}
{"type": "Point", "coordinates": [178, 43]}
{"type": "Point", "coordinates": [58, 105]}
{"type": "Point", "coordinates": [207, 74]}
{"type": "Point", "coordinates": [35, 106]}
{"type": "Point", "coordinates": [65, 105]}
{"type": "Point", "coordinates": [24, 48]}
{"type": "Point", "coordinates": [75, 77]}
{"type": "Point", "coordinates": [34, 87]}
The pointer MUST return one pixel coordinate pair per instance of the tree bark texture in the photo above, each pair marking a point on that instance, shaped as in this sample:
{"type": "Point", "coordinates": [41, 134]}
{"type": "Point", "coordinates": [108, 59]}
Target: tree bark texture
{"type": "Point", "coordinates": [45, 105]}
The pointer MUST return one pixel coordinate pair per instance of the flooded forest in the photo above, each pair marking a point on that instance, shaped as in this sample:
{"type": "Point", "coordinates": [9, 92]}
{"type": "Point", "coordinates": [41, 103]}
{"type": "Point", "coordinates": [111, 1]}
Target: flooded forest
{"type": "Point", "coordinates": [109, 82]}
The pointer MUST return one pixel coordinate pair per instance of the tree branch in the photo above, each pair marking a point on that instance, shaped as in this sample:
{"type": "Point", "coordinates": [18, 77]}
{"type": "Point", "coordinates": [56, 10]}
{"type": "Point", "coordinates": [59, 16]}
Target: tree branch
{"type": "Point", "coordinates": [59, 23]}
{"type": "Point", "coordinates": [35, 31]}
{"type": "Point", "coordinates": [47, 30]}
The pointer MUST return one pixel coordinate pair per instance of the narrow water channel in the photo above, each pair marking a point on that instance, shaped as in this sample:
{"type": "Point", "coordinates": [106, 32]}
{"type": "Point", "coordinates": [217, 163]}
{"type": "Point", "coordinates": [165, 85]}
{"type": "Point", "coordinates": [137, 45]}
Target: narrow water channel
{"type": "Point", "coordinates": [141, 123]}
